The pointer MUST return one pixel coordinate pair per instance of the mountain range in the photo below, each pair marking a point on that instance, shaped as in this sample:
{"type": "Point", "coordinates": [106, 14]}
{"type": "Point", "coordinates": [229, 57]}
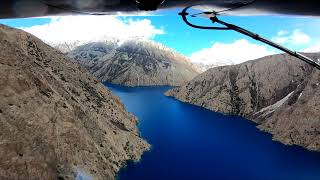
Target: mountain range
{"type": "Point", "coordinates": [134, 62]}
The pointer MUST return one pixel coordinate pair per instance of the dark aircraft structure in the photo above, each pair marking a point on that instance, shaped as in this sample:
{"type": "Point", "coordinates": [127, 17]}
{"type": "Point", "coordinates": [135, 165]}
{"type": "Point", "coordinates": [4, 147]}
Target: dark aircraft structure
{"type": "Point", "coordinates": [211, 9]}
{"type": "Point", "coordinates": [32, 8]}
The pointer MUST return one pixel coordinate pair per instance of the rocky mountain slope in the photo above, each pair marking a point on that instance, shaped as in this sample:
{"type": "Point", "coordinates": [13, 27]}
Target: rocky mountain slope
{"type": "Point", "coordinates": [134, 63]}
{"type": "Point", "coordinates": [279, 92]}
{"type": "Point", "coordinates": [56, 120]}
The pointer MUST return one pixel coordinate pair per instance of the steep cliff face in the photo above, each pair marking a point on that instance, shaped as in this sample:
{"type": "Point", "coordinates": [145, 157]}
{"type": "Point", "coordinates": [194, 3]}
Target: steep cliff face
{"type": "Point", "coordinates": [56, 120]}
{"type": "Point", "coordinates": [278, 92]}
{"type": "Point", "coordinates": [297, 120]}
{"type": "Point", "coordinates": [134, 63]}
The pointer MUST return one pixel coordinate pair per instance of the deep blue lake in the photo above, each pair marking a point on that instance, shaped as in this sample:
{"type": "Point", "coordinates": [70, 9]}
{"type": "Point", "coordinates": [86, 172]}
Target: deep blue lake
{"type": "Point", "coordinates": [189, 142]}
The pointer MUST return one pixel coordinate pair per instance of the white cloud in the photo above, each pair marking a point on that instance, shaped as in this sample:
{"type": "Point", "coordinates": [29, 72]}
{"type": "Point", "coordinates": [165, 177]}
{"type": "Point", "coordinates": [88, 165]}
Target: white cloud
{"type": "Point", "coordinates": [234, 53]}
{"type": "Point", "coordinates": [282, 32]}
{"type": "Point", "coordinates": [92, 28]}
{"type": "Point", "coordinates": [280, 40]}
{"type": "Point", "coordinates": [313, 48]}
{"type": "Point", "coordinates": [297, 37]}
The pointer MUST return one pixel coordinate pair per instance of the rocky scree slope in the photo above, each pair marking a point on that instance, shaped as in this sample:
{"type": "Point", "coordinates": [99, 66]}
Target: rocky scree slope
{"type": "Point", "coordinates": [279, 92]}
{"type": "Point", "coordinates": [134, 63]}
{"type": "Point", "coordinates": [56, 120]}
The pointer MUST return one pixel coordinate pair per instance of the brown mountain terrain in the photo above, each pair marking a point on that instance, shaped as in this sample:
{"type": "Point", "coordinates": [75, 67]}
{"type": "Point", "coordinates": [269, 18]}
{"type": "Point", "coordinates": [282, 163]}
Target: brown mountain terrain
{"type": "Point", "coordinates": [56, 120]}
{"type": "Point", "coordinates": [134, 63]}
{"type": "Point", "coordinates": [280, 93]}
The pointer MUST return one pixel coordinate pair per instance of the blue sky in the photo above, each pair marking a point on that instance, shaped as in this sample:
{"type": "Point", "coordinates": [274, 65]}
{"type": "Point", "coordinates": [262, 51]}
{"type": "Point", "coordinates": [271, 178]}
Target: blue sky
{"type": "Point", "coordinates": [294, 32]}
{"type": "Point", "coordinates": [187, 40]}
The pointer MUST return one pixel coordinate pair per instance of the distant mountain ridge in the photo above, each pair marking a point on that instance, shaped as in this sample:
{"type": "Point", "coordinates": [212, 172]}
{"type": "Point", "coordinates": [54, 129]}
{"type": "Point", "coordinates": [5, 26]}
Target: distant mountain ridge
{"type": "Point", "coordinates": [279, 92]}
{"type": "Point", "coordinates": [200, 67]}
{"type": "Point", "coordinates": [67, 47]}
{"type": "Point", "coordinates": [134, 62]}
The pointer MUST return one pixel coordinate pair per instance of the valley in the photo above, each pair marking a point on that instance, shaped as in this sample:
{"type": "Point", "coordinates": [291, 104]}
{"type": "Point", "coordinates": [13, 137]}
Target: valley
{"type": "Point", "coordinates": [138, 109]}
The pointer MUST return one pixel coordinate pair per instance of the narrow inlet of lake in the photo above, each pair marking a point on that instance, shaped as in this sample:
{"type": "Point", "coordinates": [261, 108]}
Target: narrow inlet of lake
{"type": "Point", "coordinates": [190, 142]}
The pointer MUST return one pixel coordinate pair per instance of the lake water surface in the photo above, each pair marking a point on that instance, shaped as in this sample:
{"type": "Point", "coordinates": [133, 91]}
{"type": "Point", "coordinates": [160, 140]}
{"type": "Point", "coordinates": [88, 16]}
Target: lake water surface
{"type": "Point", "coordinates": [189, 142]}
